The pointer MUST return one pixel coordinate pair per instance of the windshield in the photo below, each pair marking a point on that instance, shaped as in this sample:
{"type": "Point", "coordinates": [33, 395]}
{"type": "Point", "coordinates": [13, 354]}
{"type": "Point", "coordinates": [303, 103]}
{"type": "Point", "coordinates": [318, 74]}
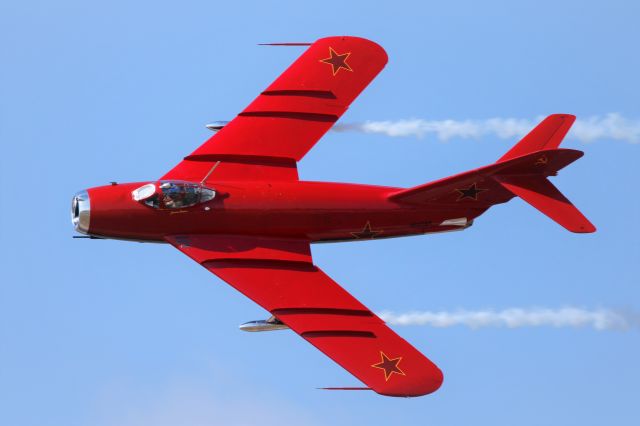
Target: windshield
{"type": "Point", "coordinates": [172, 195]}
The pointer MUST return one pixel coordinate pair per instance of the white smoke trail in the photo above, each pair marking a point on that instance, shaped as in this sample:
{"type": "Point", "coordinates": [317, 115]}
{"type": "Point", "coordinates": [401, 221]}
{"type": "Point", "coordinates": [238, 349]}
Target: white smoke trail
{"type": "Point", "coordinates": [599, 319]}
{"type": "Point", "coordinates": [612, 126]}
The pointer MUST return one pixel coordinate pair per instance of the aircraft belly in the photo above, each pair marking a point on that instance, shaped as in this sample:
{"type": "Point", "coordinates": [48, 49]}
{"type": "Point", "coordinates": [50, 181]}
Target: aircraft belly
{"type": "Point", "coordinates": [342, 225]}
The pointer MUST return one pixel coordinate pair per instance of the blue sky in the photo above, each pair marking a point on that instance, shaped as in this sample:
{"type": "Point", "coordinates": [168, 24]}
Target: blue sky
{"type": "Point", "coordinates": [114, 333]}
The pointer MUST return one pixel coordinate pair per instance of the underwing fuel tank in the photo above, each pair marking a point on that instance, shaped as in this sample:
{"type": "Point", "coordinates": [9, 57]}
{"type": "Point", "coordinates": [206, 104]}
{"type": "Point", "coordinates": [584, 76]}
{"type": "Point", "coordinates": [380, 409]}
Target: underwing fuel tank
{"type": "Point", "coordinates": [216, 125]}
{"type": "Point", "coordinates": [263, 325]}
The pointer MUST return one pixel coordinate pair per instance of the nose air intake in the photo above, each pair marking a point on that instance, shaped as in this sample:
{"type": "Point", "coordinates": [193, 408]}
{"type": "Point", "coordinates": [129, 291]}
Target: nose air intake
{"type": "Point", "coordinates": [81, 212]}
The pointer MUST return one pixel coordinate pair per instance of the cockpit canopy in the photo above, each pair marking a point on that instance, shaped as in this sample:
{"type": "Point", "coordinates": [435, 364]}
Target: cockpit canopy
{"type": "Point", "coordinates": [172, 194]}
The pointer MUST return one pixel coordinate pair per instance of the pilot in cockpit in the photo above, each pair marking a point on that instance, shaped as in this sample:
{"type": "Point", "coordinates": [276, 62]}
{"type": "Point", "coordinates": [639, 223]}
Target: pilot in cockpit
{"type": "Point", "coordinates": [168, 202]}
{"type": "Point", "coordinates": [173, 195]}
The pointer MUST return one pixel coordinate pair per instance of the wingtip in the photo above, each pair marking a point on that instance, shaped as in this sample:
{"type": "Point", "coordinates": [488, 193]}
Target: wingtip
{"type": "Point", "coordinates": [425, 385]}
{"type": "Point", "coordinates": [586, 228]}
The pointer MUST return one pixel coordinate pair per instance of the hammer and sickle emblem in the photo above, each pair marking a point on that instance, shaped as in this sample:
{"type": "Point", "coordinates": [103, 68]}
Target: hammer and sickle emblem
{"type": "Point", "coordinates": [542, 161]}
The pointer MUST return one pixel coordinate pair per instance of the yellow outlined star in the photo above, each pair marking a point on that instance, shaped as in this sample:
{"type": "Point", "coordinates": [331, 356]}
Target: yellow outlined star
{"type": "Point", "coordinates": [389, 366]}
{"type": "Point", "coordinates": [337, 61]}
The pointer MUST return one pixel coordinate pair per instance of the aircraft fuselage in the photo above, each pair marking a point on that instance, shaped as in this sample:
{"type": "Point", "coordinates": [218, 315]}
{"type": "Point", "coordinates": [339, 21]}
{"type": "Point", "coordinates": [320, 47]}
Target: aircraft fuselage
{"type": "Point", "coordinates": [314, 211]}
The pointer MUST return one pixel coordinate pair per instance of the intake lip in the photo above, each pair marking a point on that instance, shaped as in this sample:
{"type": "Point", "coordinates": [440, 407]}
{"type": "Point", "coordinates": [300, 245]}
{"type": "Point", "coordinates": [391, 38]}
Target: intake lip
{"type": "Point", "coordinates": [81, 212]}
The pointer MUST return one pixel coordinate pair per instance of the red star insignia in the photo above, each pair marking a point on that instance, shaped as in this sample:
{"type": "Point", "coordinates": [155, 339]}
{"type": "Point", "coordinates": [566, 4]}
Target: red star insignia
{"type": "Point", "coordinates": [389, 365]}
{"type": "Point", "coordinates": [470, 192]}
{"type": "Point", "coordinates": [366, 232]}
{"type": "Point", "coordinates": [337, 62]}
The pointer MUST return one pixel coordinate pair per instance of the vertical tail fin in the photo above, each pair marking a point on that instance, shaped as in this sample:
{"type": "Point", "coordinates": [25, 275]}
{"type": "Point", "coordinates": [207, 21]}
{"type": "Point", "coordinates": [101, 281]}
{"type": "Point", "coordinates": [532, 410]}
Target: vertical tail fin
{"type": "Point", "coordinates": [546, 135]}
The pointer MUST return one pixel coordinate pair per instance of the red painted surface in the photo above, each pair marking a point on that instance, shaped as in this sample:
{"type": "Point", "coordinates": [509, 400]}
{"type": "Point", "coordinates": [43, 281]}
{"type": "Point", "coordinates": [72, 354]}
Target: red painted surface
{"type": "Point", "coordinates": [255, 233]}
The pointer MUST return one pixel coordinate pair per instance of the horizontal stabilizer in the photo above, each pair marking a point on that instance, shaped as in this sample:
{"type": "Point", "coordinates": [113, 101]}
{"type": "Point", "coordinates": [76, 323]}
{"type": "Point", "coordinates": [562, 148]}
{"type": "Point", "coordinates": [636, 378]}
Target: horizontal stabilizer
{"type": "Point", "coordinates": [541, 194]}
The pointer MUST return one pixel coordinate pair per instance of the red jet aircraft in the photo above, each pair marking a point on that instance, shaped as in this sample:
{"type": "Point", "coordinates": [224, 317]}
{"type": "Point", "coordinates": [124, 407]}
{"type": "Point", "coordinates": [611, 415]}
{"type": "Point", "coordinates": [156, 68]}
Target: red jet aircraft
{"type": "Point", "coordinates": [237, 207]}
